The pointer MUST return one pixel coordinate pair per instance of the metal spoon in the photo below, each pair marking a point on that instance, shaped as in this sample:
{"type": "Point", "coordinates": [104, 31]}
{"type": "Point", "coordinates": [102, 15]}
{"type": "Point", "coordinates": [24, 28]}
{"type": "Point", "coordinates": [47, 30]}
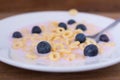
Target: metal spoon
{"type": "Point", "coordinates": [96, 36]}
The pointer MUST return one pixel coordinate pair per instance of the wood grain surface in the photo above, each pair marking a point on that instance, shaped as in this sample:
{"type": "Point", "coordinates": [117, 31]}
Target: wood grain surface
{"type": "Point", "coordinates": [38, 5]}
{"type": "Point", "coordinates": [12, 73]}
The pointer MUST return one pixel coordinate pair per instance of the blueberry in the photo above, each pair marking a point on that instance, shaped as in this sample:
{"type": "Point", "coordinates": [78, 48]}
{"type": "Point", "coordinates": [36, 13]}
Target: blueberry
{"type": "Point", "coordinates": [36, 29]}
{"type": "Point", "coordinates": [17, 35]}
{"type": "Point", "coordinates": [91, 50]}
{"type": "Point", "coordinates": [80, 37]}
{"type": "Point", "coordinates": [71, 21]}
{"type": "Point", "coordinates": [62, 25]}
{"type": "Point", "coordinates": [104, 38]}
{"type": "Point", "coordinates": [81, 26]}
{"type": "Point", "coordinates": [43, 47]}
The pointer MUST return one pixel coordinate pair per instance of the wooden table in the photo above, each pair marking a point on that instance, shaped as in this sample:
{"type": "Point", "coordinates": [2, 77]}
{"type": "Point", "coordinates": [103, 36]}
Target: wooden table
{"type": "Point", "coordinates": [12, 73]}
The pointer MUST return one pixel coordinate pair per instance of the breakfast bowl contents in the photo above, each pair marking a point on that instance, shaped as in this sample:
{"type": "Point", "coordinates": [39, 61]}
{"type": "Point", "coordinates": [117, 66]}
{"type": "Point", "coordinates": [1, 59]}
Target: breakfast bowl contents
{"type": "Point", "coordinates": [58, 41]}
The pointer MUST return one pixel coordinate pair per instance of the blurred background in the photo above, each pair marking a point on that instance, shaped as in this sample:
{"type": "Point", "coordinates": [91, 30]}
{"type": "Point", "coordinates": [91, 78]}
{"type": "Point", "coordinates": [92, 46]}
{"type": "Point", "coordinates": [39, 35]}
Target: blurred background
{"type": "Point", "coordinates": [95, 6]}
{"type": "Point", "coordinates": [38, 5]}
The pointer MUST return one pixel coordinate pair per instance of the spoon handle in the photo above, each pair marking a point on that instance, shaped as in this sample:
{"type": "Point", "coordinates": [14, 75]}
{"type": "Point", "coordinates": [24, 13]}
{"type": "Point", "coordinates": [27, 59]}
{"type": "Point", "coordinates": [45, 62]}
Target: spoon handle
{"type": "Point", "coordinates": [110, 26]}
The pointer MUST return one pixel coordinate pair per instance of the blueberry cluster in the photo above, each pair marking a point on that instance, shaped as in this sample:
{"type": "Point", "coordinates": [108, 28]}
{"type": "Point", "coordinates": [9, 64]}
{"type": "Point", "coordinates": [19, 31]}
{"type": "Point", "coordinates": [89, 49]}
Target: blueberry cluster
{"type": "Point", "coordinates": [90, 50]}
{"type": "Point", "coordinates": [35, 30]}
{"type": "Point", "coordinates": [44, 47]}
{"type": "Point", "coordinates": [70, 22]}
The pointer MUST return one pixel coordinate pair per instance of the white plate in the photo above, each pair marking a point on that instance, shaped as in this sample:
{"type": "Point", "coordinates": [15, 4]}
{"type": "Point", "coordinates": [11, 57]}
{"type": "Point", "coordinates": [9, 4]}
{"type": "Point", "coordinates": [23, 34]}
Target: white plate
{"type": "Point", "coordinates": [11, 24]}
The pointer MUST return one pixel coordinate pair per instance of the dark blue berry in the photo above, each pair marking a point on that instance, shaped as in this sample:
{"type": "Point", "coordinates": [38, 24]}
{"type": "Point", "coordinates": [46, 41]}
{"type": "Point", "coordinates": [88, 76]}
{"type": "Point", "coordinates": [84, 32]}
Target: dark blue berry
{"type": "Point", "coordinates": [71, 21]}
{"type": "Point", "coordinates": [81, 26]}
{"type": "Point", "coordinates": [91, 50]}
{"type": "Point", "coordinates": [80, 37]}
{"type": "Point", "coordinates": [36, 29]}
{"type": "Point", "coordinates": [43, 47]}
{"type": "Point", "coordinates": [104, 38]}
{"type": "Point", "coordinates": [17, 35]}
{"type": "Point", "coordinates": [62, 25]}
